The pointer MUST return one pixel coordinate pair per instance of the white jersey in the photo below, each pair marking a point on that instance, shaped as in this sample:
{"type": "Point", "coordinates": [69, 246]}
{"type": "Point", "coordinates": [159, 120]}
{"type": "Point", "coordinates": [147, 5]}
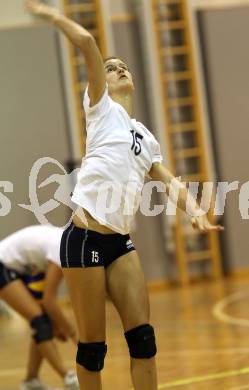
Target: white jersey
{"type": "Point", "coordinates": [28, 250]}
{"type": "Point", "coordinates": [119, 153]}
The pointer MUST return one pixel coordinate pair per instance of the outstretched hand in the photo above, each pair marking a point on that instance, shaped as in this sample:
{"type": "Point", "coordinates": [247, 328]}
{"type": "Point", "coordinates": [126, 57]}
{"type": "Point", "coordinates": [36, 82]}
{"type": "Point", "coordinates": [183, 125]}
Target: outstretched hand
{"type": "Point", "coordinates": [202, 223]}
{"type": "Point", "coordinates": [39, 9]}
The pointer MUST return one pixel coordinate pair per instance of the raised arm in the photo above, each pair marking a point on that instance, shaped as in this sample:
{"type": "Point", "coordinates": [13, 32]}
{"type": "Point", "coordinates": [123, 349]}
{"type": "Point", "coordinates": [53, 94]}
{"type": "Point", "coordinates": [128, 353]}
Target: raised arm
{"type": "Point", "coordinates": [179, 194]}
{"type": "Point", "coordinates": [81, 38]}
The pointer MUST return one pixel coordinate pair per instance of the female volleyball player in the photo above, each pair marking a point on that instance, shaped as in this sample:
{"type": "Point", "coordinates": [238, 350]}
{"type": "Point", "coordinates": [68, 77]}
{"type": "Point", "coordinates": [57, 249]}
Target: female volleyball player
{"type": "Point", "coordinates": [30, 270]}
{"type": "Point", "coordinates": [96, 251]}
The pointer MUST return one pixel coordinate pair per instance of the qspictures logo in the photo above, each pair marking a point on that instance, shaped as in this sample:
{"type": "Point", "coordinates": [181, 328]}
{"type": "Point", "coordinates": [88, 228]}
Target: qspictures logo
{"type": "Point", "coordinates": [126, 197]}
{"type": "Point", "coordinates": [62, 195]}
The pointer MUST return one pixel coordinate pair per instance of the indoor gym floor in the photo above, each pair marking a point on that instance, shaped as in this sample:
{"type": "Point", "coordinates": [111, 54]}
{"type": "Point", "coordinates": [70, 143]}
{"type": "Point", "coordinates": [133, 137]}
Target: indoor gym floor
{"type": "Point", "coordinates": [202, 333]}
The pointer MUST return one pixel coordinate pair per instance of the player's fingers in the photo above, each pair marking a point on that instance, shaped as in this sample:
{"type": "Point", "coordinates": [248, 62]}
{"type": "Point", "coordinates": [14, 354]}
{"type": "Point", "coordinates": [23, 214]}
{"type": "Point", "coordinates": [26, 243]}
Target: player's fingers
{"type": "Point", "coordinates": [202, 227]}
{"type": "Point", "coordinates": [218, 228]}
{"type": "Point", "coordinates": [194, 223]}
{"type": "Point", "coordinates": [215, 227]}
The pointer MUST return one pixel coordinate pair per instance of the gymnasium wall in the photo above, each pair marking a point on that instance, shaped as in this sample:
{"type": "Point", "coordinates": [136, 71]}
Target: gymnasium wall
{"type": "Point", "coordinates": [215, 4]}
{"type": "Point", "coordinates": [12, 13]}
{"type": "Point", "coordinates": [224, 36]}
{"type": "Point", "coordinates": [33, 119]}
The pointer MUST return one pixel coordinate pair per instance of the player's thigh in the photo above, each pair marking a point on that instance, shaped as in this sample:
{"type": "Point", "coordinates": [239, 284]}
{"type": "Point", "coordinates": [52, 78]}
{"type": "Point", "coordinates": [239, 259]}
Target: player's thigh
{"type": "Point", "coordinates": [16, 295]}
{"type": "Point", "coordinates": [127, 289]}
{"type": "Point", "coordinates": [87, 292]}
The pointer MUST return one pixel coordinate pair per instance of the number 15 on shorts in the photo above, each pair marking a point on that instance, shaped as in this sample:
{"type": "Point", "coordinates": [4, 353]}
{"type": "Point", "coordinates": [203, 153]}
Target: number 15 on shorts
{"type": "Point", "coordinates": [95, 257]}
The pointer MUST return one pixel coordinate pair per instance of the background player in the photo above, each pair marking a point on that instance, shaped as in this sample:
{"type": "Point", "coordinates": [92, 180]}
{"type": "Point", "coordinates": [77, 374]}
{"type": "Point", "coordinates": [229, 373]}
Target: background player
{"type": "Point", "coordinates": [30, 270]}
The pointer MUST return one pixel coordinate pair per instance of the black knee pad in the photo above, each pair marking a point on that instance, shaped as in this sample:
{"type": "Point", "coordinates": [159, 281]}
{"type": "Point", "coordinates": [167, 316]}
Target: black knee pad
{"type": "Point", "coordinates": [91, 355]}
{"type": "Point", "coordinates": [43, 330]}
{"type": "Point", "coordinates": [141, 342]}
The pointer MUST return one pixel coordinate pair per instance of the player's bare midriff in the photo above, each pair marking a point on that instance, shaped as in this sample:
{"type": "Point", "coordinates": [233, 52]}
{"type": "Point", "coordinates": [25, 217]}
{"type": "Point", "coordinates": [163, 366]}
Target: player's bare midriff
{"type": "Point", "coordinates": [92, 224]}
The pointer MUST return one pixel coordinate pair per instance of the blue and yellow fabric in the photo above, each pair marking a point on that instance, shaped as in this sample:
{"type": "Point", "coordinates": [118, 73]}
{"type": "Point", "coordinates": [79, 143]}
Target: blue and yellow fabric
{"type": "Point", "coordinates": [35, 283]}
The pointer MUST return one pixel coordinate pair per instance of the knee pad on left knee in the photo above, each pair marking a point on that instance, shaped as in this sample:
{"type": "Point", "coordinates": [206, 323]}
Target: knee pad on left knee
{"type": "Point", "coordinates": [91, 355]}
{"type": "Point", "coordinates": [141, 342]}
{"type": "Point", "coordinates": [42, 327]}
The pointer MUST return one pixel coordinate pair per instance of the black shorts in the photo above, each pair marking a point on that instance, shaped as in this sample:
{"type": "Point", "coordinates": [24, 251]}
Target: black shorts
{"type": "Point", "coordinates": [7, 275]}
{"type": "Point", "coordinates": [86, 248]}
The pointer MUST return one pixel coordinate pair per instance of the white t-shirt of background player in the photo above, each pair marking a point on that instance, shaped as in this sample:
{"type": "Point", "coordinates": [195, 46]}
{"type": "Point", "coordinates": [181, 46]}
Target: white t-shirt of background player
{"type": "Point", "coordinates": [119, 154]}
{"type": "Point", "coordinates": [28, 250]}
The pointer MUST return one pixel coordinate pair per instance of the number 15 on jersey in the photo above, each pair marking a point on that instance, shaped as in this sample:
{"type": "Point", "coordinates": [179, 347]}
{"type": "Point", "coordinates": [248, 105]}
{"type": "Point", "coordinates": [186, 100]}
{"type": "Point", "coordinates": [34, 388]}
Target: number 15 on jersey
{"type": "Point", "coordinates": [136, 144]}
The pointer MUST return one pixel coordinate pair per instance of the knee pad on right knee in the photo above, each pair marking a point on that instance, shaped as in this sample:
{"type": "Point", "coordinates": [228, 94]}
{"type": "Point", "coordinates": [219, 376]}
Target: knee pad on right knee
{"type": "Point", "coordinates": [141, 342]}
{"type": "Point", "coordinates": [91, 355]}
{"type": "Point", "coordinates": [42, 328]}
